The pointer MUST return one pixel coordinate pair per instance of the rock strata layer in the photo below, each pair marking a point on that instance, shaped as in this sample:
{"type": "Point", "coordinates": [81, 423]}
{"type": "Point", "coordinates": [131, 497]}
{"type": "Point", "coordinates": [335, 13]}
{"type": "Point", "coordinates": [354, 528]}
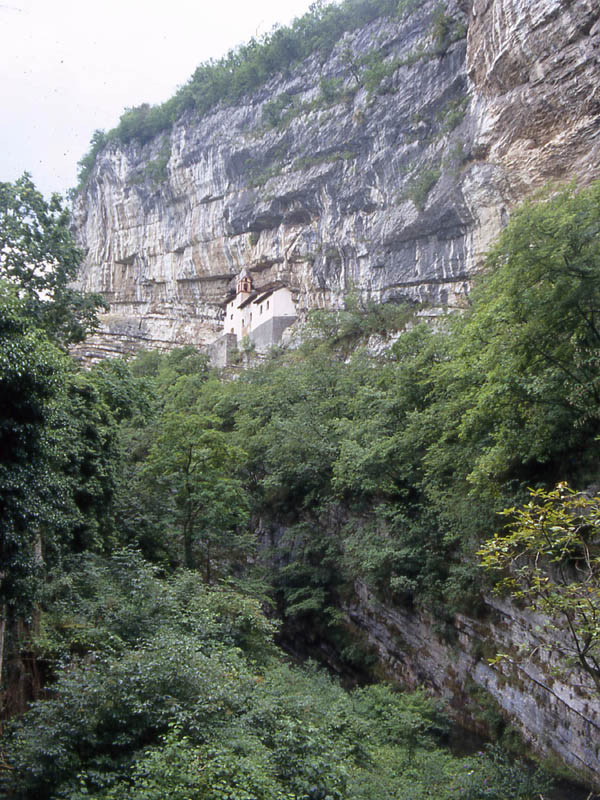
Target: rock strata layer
{"type": "Point", "coordinates": [555, 709]}
{"type": "Point", "coordinates": [394, 188]}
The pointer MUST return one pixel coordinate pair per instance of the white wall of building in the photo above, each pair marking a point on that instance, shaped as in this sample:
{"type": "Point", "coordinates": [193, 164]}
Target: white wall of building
{"type": "Point", "coordinates": [236, 318]}
{"type": "Point", "coordinates": [277, 304]}
{"type": "Point", "coordinates": [242, 321]}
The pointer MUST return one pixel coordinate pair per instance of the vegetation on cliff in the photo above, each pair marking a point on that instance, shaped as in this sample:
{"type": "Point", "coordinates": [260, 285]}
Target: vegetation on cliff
{"type": "Point", "coordinates": [152, 512]}
{"type": "Point", "coordinates": [549, 556]}
{"type": "Point", "coordinates": [249, 66]}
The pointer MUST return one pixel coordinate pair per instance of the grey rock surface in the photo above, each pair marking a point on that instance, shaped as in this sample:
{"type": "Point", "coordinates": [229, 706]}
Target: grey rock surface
{"type": "Point", "coordinates": [397, 193]}
{"type": "Point", "coordinates": [556, 711]}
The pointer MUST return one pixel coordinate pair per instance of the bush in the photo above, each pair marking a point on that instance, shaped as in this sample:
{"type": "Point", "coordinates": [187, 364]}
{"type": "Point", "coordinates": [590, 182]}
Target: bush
{"type": "Point", "coordinates": [420, 186]}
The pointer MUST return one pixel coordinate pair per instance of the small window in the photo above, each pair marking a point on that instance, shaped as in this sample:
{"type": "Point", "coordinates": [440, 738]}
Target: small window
{"type": "Point", "coordinates": [267, 305]}
{"type": "Point", "coordinates": [232, 316]}
{"type": "Point", "coordinates": [232, 330]}
{"type": "Point", "coordinates": [260, 309]}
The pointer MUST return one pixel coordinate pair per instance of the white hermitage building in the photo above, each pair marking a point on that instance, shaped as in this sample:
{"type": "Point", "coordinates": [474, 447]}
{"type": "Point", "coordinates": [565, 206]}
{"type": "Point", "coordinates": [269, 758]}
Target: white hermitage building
{"type": "Point", "coordinates": [260, 314]}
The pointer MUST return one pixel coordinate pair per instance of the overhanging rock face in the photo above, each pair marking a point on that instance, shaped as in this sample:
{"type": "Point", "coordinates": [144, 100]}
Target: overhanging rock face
{"type": "Point", "coordinates": [393, 193]}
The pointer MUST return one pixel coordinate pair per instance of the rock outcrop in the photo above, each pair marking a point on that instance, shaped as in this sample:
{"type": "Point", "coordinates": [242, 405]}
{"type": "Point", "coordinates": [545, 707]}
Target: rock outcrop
{"type": "Point", "coordinates": [556, 711]}
{"type": "Point", "coordinates": [393, 182]}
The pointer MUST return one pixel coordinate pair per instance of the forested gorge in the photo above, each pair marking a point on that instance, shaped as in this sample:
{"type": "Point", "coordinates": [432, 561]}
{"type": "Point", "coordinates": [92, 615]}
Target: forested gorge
{"type": "Point", "coordinates": [166, 528]}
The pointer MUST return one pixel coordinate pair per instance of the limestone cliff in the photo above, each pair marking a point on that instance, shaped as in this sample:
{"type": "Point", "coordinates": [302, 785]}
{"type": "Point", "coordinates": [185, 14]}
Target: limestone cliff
{"type": "Point", "coordinates": [393, 182]}
{"type": "Point", "coordinates": [555, 711]}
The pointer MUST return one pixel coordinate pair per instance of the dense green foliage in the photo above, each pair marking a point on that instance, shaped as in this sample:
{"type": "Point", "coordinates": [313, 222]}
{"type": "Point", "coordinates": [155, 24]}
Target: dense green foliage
{"type": "Point", "coordinates": [39, 258]}
{"type": "Point", "coordinates": [392, 467]}
{"type": "Point", "coordinates": [549, 556]}
{"type": "Point", "coordinates": [169, 688]}
{"type": "Point", "coordinates": [30, 367]}
{"type": "Point", "coordinates": [40, 314]}
{"type": "Point", "coordinates": [152, 512]}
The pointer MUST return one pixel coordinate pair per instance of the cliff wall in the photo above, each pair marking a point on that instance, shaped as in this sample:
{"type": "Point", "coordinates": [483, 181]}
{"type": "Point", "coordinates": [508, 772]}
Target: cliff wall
{"type": "Point", "coordinates": [556, 711]}
{"type": "Point", "coordinates": [393, 182]}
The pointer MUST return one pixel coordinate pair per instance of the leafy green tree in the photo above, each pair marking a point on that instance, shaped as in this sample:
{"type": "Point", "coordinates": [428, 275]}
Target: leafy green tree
{"type": "Point", "coordinates": [39, 257]}
{"type": "Point", "coordinates": [170, 687]}
{"type": "Point", "coordinates": [99, 407]}
{"type": "Point", "coordinates": [86, 456]}
{"type": "Point", "coordinates": [32, 370]}
{"type": "Point", "coordinates": [94, 604]}
{"type": "Point", "coordinates": [59, 467]}
{"type": "Point", "coordinates": [524, 358]}
{"type": "Point", "coordinates": [512, 394]}
{"type": "Point", "coordinates": [40, 315]}
{"type": "Point", "coordinates": [495, 775]}
{"type": "Point", "coordinates": [549, 556]}
{"type": "Point", "coordinates": [193, 465]}
{"type": "Point", "coordinates": [144, 386]}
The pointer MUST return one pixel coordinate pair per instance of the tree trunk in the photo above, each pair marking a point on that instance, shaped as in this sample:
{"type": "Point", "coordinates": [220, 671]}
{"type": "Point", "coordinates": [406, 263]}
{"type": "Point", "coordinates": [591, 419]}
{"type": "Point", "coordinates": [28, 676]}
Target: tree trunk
{"type": "Point", "coordinates": [2, 636]}
{"type": "Point", "coordinates": [188, 544]}
{"type": "Point", "coordinates": [208, 571]}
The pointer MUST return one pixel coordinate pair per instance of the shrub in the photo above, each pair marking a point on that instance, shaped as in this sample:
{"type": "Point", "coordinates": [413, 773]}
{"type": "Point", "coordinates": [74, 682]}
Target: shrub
{"type": "Point", "coordinates": [420, 186]}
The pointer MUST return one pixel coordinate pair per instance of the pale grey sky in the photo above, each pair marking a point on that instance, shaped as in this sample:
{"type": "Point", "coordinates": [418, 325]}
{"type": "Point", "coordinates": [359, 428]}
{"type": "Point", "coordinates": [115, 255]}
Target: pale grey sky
{"type": "Point", "coordinates": [68, 67]}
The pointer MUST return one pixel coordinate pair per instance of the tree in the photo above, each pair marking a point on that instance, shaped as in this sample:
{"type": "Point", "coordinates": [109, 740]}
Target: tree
{"type": "Point", "coordinates": [40, 259]}
{"type": "Point", "coordinates": [515, 398]}
{"type": "Point", "coordinates": [550, 557]}
{"type": "Point", "coordinates": [192, 464]}
{"type": "Point", "coordinates": [38, 311]}
{"type": "Point", "coordinates": [525, 358]}
{"type": "Point", "coordinates": [31, 370]}
{"type": "Point", "coordinates": [40, 315]}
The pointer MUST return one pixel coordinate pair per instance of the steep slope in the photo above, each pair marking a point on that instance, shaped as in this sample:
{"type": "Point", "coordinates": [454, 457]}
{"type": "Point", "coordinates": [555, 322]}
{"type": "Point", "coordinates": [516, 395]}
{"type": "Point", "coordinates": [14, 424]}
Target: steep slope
{"type": "Point", "coordinates": [557, 717]}
{"type": "Point", "coordinates": [389, 167]}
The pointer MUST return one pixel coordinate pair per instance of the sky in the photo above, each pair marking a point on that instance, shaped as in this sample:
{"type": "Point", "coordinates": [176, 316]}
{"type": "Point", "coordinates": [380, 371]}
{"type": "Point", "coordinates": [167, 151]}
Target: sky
{"type": "Point", "coordinates": [69, 67]}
